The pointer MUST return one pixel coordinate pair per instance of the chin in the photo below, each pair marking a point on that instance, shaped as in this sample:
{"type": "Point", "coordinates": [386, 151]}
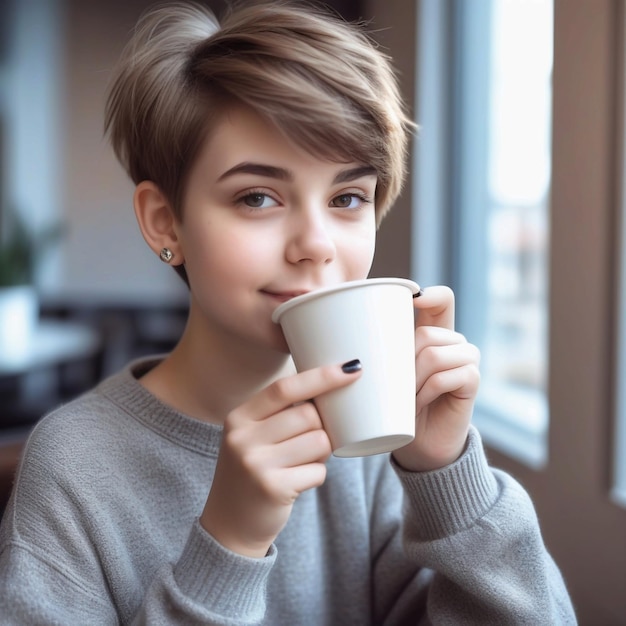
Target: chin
{"type": "Point", "coordinates": [273, 340]}
{"type": "Point", "coordinates": [280, 344]}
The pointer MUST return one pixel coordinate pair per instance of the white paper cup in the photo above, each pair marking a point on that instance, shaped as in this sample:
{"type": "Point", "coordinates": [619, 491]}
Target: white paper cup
{"type": "Point", "coordinates": [371, 320]}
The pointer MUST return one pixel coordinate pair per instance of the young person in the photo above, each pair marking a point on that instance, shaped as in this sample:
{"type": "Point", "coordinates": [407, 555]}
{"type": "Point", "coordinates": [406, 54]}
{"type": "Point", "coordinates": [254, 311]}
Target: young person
{"type": "Point", "coordinates": [199, 487]}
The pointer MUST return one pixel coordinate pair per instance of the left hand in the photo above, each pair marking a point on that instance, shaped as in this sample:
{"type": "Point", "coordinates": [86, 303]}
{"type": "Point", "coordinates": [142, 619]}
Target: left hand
{"type": "Point", "coordinates": [447, 380]}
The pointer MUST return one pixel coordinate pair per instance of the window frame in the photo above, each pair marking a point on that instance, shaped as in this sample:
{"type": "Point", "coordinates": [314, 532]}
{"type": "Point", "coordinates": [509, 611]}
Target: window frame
{"type": "Point", "coordinates": [618, 488]}
{"type": "Point", "coordinates": [618, 491]}
{"type": "Point", "coordinates": [453, 89]}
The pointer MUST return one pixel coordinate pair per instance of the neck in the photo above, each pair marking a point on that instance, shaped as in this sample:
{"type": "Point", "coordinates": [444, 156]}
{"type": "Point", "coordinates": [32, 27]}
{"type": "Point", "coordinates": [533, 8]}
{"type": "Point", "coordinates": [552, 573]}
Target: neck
{"type": "Point", "coordinates": [208, 375]}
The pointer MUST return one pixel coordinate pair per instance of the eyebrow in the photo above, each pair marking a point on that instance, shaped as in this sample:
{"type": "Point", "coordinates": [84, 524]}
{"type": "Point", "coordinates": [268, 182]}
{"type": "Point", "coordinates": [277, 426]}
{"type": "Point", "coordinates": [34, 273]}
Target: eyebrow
{"type": "Point", "coordinates": [280, 173]}
{"type": "Point", "coordinates": [355, 173]}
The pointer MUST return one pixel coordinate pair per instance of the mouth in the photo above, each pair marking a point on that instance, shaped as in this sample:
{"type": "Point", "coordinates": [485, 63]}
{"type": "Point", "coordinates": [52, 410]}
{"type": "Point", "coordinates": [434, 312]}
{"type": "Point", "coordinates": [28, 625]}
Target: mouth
{"type": "Point", "coordinates": [283, 296]}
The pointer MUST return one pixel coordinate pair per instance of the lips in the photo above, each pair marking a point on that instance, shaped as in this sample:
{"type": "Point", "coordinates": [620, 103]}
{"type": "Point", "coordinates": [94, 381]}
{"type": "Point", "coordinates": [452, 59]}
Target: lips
{"type": "Point", "coordinates": [283, 296]}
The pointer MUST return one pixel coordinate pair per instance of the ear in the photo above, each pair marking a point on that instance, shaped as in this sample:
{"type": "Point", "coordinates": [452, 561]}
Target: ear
{"type": "Point", "coordinates": [156, 220]}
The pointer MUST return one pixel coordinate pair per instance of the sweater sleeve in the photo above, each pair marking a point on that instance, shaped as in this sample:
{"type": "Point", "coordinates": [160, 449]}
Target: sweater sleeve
{"type": "Point", "coordinates": [64, 561]}
{"type": "Point", "coordinates": [38, 589]}
{"type": "Point", "coordinates": [231, 591]}
{"type": "Point", "coordinates": [472, 535]}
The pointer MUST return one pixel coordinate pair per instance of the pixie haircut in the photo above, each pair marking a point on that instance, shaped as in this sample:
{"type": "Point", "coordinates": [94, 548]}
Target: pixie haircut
{"type": "Point", "coordinates": [319, 79]}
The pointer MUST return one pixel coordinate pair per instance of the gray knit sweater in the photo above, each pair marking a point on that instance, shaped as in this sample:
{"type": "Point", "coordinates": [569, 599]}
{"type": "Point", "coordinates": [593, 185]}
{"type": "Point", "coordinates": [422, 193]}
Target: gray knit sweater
{"type": "Point", "coordinates": [102, 528]}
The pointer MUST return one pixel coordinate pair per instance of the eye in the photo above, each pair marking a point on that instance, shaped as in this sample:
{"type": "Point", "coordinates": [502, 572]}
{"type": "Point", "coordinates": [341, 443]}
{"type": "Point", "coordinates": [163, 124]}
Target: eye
{"type": "Point", "coordinates": [257, 200]}
{"type": "Point", "coordinates": [349, 201]}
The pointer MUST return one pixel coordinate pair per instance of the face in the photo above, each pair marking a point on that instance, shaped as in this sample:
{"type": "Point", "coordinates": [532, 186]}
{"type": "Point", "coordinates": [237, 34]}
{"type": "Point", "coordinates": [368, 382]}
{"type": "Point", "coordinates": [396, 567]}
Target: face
{"type": "Point", "coordinates": [263, 221]}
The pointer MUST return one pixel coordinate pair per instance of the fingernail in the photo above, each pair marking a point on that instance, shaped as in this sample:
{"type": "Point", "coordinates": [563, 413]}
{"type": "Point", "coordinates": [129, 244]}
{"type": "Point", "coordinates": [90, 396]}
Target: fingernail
{"type": "Point", "coordinates": [352, 366]}
{"type": "Point", "coordinates": [419, 293]}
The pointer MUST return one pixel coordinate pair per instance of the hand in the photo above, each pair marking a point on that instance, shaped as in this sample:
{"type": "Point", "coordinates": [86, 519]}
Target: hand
{"type": "Point", "coordinates": [273, 449]}
{"type": "Point", "coordinates": [447, 380]}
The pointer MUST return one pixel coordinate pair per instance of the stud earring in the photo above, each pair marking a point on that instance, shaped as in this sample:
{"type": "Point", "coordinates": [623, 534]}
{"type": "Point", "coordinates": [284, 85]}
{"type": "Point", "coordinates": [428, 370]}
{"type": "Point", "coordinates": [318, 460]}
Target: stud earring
{"type": "Point", "coordinates": [166, 255]}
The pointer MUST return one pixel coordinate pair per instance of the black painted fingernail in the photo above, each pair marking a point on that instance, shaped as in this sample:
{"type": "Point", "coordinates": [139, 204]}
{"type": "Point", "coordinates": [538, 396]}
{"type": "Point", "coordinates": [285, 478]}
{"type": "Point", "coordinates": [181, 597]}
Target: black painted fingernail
{"type": "Point", "coordinates": [419, 293]}
{"type": "Point", "coordinates": [352, 366]}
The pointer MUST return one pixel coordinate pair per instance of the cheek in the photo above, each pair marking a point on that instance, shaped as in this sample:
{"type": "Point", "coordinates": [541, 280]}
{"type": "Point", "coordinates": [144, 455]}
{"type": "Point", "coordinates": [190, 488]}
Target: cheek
{"type": "Point", "coordinates": [359, 255]}
{"type": "Point", "coordinates": [222, 256]}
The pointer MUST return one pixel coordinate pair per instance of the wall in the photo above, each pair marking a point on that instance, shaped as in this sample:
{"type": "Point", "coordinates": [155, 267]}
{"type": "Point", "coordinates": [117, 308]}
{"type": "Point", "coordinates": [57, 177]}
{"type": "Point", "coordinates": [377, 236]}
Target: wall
{"type": "Point", "coordinates": [393, 22]}
{"type": "Point", "coordinates": [105, 256]}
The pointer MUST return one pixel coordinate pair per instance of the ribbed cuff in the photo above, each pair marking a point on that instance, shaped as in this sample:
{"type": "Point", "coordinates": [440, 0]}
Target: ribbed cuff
{"type": "Point", "coordinates": [451, 499]}
{"type": "Point", "coordinates": [231, 585]}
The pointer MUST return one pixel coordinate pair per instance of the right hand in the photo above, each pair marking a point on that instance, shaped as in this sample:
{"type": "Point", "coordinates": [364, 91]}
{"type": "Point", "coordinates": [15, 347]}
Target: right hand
{"type": "Point", "coordinates": [273, 449]}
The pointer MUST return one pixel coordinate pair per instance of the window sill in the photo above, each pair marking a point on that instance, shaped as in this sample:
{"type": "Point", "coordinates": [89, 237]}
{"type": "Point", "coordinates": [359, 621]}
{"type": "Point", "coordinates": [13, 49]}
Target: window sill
{"type": "Point", "coordinates": [618, 496]}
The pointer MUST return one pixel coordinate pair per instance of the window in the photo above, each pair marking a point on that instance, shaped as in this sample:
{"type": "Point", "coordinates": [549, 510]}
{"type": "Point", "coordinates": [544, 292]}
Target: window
{"type": "Point", "coordinates": [483, 171]}
{"type": "Point", "coordinates": [583, 526]}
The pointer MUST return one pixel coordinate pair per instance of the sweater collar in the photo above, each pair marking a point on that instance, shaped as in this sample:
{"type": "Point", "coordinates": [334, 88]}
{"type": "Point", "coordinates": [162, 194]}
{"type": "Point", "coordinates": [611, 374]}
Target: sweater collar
{"type": "Point", "coordinates": [125, 390]}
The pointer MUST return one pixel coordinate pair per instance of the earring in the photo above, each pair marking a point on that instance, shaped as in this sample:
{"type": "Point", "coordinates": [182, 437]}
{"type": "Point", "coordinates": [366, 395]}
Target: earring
{"type": "Point", "coordinates": [166, 255]}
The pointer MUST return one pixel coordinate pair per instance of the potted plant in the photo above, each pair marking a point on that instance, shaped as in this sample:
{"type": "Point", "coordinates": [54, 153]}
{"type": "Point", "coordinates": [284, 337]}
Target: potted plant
{"type": "Point", "coordinates": [20, 250]}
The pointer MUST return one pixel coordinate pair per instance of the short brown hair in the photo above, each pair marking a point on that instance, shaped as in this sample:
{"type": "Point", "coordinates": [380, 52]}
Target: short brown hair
{"type": "Point", "coordinates": [318, 78]}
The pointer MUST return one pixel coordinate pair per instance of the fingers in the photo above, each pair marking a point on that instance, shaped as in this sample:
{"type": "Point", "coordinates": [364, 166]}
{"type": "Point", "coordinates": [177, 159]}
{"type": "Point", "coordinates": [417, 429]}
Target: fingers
{"type": "Point", "coordinates": [430, 336]}
{"type": "Point", "coordinates": [435, 307]}
{"type": "Point", "coordinates": [292, 390]}
{"type": "Point", "coordinates": [279, 426]}
{"type": "Point", "coordinates": [309, 447]}
{"type": "Point", "coordinates": [445, 363]}
{"type": "Point", "coordinates": [291, 422]}
{"type": "Point", "coordinates": [460, 383]}
{"type": "Point", "coordinates": [304, 477]}
{"type": "Point", "coordinates": [282, 486]}
{"type": "Point", "coordinates": [273, 448]}
{"type": "Point", "coordinates": [447, 380]}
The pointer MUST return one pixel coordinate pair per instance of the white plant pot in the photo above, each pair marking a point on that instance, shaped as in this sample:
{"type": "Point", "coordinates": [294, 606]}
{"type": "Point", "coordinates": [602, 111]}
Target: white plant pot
{"type": "Point", "coordinates": [19, 312]}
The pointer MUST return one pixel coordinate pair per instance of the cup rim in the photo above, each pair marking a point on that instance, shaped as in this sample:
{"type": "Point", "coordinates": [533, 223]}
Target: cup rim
{"type": "Point", "coordinates": [351, 284]}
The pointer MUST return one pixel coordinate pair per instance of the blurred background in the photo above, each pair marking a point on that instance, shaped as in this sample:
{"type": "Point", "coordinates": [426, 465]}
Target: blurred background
{"type": "Point", "coordinates": [515, 199]}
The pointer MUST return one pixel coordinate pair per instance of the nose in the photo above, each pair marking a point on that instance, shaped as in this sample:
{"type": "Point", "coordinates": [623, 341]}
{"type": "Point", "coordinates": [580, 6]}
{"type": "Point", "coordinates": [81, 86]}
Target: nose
{"type": "Point", "coordinates": [310, 238]}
